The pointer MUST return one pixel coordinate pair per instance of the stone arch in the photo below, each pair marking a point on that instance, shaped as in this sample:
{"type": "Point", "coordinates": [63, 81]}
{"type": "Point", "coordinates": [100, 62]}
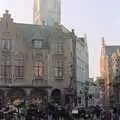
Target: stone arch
{"type": "Point", "coordinates": [56, 95]}
{"type": "Point", "coordinates": [40, 93]}
{"type": "Point", "coordinates": [16, 93]}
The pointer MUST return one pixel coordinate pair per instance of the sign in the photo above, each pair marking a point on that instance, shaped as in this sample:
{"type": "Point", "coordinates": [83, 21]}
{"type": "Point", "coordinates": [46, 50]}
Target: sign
{"type": "Point", "coordinates": [75, 111]}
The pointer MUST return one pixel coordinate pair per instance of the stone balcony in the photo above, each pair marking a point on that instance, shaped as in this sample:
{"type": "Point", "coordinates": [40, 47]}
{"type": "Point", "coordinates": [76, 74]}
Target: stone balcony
{"type": "Point", "coordinates": [41, 81]}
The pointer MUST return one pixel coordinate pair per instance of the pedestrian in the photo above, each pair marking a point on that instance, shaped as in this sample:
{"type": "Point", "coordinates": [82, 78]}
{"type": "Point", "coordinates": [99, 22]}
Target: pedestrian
{"type": "Point", "coordinates": [50, 110]}
{"type": "Point", "coordinates": [115, 116]}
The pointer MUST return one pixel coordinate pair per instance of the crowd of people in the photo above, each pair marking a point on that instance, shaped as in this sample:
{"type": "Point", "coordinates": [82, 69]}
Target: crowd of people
{"type": "Point", "coordinates": [55, 111]}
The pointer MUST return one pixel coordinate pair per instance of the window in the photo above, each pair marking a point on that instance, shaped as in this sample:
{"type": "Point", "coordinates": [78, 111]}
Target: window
{"type": "Point", "coordinates": [59, 69]}
{"type": "Point", "coordinates": [19, 68]}
{"type": "Point", "coordinates": [6, 71]}
{"type": "Point", "coordinates": [6, 44]}
{"type": "Point", "coordinates": [59, 47]}
{"type": "Point", "coordinates": [19, 72]}
{"type": "Point", "coordinates": [37, 43]}
{"type": "Point", "coordinates": [38, 69]}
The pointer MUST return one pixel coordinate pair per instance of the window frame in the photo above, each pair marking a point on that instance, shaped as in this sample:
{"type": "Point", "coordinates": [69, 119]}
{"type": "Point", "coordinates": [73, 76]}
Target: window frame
{"type": "Point", "coordinates": [59, 69]}
{"type": "Point", "coordinates": [59, 47]}
{"type": "Point", "coordinates": [6, 44]}
{"type": "Point", "coordinates": [38, 69]}
{"type": "Point", "coordinates": [19, 68]}
{"type": "Point", "coordinates": [37, 43]}
{"type": "Point", "coordinates": [6, 71]}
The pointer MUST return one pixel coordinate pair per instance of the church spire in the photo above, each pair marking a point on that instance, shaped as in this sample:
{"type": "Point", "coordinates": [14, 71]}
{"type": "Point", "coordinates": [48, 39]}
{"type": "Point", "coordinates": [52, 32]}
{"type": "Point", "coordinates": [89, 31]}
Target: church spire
{"type": "Point", "coordinates": [103, 41]}
{"type": "Point", "coordinates": [103, 49]}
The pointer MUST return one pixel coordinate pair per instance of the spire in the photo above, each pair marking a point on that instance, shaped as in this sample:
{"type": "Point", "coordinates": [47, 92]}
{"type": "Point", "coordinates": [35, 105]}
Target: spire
{"type": "Point", "coordinates": [103, 41]}
{"type": "Point", "coordinates": [43, 11]}
{"type": "Point", "coordinates": [103, 49]}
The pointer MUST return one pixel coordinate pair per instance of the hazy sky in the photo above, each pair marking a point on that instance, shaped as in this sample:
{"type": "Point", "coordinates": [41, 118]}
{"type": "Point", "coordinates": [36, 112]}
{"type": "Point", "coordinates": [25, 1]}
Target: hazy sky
{"type": "Point", "coordinates": [96, 18]}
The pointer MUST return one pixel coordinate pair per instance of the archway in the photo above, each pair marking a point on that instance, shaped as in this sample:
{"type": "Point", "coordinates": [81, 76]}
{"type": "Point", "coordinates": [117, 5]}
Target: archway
{"type": "Point", "coordinates": [56, 95]}
{"type": "Point", "coordinates": [39, 93]}
{"type": "Point", "coordinates": [69, 95]}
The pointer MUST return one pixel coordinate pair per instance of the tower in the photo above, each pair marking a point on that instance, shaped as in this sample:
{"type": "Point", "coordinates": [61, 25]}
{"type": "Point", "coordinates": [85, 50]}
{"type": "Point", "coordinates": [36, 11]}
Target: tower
{"type": "Point", "coordinates": [47, 11]}
{"type": "Point", "coordinates": [103, 58]}
{"type": "Point", "coordinates": [103, 48]}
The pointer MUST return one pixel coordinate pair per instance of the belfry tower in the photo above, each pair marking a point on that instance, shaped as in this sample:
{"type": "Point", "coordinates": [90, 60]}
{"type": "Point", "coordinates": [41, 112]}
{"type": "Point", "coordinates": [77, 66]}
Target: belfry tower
{"type": "Point", "coordinates": [47, 12]}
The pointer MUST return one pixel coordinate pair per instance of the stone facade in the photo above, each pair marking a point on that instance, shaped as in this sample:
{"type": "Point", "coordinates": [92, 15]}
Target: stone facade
{"type": "Point", "coordinates": [34, 56]}
{"type": "Point", "coordinates": [82, 66]}
{"type": "Point", "coordinates": [18, 54]}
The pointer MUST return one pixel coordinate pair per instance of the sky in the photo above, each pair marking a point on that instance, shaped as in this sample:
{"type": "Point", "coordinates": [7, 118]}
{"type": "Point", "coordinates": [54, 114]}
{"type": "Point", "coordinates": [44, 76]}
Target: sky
{"type": "Point", "coordinates": [96, 18]}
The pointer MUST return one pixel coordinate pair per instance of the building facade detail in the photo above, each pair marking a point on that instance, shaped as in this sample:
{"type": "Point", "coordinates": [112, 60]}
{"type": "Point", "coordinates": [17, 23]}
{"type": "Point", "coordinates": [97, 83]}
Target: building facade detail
{"type": "Point", "coordinates": [36, 58]}
{"type": "Point", "coordinates": [106, 72]}
{"type": "Point", "coordinates": [82, 66]}
{"type": "Point", "coordinates": [116, 75]}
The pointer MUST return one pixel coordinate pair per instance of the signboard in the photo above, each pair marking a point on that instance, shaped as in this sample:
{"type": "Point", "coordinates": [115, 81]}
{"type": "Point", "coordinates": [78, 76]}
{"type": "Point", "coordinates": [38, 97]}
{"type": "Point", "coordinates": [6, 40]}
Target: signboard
{"type": "Point", "coordinates": [75, 111]}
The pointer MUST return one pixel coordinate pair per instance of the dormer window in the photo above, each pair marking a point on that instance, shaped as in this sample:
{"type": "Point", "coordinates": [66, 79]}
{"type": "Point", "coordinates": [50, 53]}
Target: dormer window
{"type": "Point", "coordinates": [37, 43]}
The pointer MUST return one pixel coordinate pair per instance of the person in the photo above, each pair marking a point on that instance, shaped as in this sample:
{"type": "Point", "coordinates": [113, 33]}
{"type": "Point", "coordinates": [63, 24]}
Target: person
{"type": "Point", "coordinates": [115, 114]}
{"type": "Point", "coordinates": [98, 111]}
{"type": "Point", "coordinates": [50, 110]}
{"type": "Point", "coordinates": [116, 117]}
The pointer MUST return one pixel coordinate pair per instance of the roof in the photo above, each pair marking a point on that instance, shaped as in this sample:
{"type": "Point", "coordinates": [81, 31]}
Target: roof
{"type": "Point", "coordinates": [111, 49]}
{"type": "Point", "coordinates": [65, 30]}
{"type": "Point", "coordinates": [31, 31]}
